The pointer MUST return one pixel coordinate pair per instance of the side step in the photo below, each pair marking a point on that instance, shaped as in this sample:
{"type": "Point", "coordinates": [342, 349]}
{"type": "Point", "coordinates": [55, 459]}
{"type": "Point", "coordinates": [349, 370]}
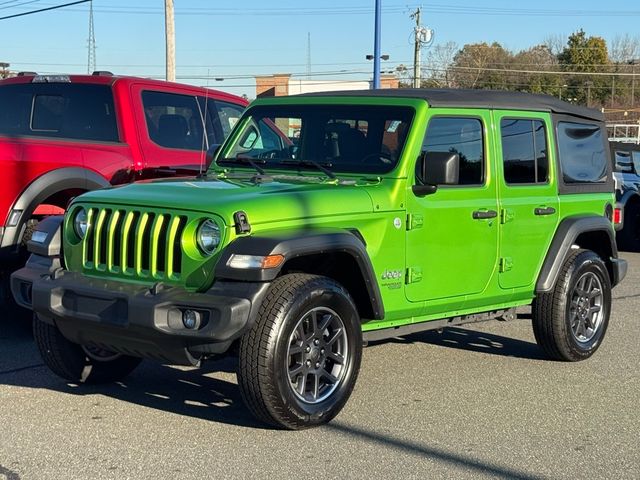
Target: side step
{"type": "Point", "coordinates": [374, 335]}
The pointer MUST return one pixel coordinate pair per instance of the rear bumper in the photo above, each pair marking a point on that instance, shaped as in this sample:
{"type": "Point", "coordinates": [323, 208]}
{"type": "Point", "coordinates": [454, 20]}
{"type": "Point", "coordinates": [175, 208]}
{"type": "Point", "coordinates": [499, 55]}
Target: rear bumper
{"type": "Point", "coordinates": [136, 320]}
{"type": "Point", "coordinates": [619, 270]}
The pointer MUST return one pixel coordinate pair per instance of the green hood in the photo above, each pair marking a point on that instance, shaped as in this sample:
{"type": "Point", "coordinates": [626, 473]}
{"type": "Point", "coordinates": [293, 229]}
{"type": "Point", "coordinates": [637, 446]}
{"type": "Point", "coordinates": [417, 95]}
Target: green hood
{"type": "Point", "coordinates": [276, 200]}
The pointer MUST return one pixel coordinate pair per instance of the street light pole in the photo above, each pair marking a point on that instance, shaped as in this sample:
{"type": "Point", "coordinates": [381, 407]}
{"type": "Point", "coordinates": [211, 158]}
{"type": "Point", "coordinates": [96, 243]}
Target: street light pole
{"type": "Point", "coordinates": [376, 46]}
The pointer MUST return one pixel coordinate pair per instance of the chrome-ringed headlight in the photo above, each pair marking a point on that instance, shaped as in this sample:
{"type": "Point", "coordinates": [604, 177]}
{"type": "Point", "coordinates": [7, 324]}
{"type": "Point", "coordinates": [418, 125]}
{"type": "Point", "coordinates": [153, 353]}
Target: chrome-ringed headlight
{"type": "Point", "coordinates": [80, 222]}
{"type": "Point", "coordinates": [208, 237]}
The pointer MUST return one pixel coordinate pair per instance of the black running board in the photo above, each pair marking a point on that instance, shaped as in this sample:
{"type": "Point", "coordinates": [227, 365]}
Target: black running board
{"type": "Point", "coordinates": [374, 335]}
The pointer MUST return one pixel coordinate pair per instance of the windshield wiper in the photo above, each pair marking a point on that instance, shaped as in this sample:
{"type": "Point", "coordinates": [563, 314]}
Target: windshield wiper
{"type": "Point", "coordinates": [313, 163]}
{"type": "Point", "coordinates": [246, 160]}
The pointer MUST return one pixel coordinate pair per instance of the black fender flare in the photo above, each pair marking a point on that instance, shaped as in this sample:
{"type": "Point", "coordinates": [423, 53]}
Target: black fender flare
{"type": "Point", "coordinates": [565, 237]}
{"type": "Point", "coordinates": [627, 196]}
{"type": "Point", "coordinates": [299, 243]}
{"type": "Point", "coordinates": [42, 188]}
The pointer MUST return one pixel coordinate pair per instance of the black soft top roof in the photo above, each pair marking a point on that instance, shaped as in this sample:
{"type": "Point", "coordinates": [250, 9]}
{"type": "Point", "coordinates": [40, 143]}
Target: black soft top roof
{"type": "Point", "coordinates": [441, 97]}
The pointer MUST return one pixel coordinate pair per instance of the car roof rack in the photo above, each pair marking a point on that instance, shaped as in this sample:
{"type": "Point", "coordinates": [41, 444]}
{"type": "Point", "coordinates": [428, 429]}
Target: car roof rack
{"type": "Point", "coordinates": [102, 73]}
{"type": "Point", "coordinates": [26, 74]}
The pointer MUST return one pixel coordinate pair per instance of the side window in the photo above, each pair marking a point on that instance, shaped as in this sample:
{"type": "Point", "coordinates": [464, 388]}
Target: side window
{"type": "Point", "coordinates": [229, 114]}
{"type": "Point", "coordinates": [266, 139]}
{"type": "Point", "coordinates": [623, 162]}
{"type": "Point", "coordinates": [462, 136]}
{"type": "Point", "coordinates": [582, 153]}
{"type": "Point", "coordinates": [524, 151]}
{"type": "Point", "coordinates": [173, 121]}
{"type": "Point", "coordinates": [75, 111]}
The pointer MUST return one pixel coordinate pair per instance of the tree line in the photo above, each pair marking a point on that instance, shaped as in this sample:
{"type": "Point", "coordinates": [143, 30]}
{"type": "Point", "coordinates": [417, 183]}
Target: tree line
{"type": "Point", "coordinates": [581, 69]}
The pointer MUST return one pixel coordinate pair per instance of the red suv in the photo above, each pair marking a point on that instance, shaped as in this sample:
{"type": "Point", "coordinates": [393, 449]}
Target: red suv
{"type": "Point", "coordinates": [61, 135]}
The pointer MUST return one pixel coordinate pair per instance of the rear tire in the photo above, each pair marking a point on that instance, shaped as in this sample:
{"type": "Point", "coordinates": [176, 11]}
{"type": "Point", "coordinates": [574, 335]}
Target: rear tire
{"type": "Point", "coordinates": [78, 364]}
{"type": "Point", "coordinates": [570, 322]}
{"type": "Point", "coordinates": [299, 362]}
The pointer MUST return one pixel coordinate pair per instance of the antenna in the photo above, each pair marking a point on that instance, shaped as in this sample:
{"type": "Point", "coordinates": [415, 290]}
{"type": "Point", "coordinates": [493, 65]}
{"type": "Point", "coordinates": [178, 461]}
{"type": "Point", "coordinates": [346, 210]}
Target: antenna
{"type": "Point", "coordinates": [91, 56]}
{"type": "Point", "coordinates": [308, 55]}
{"type": "Point", "coordinates": [205, 139]}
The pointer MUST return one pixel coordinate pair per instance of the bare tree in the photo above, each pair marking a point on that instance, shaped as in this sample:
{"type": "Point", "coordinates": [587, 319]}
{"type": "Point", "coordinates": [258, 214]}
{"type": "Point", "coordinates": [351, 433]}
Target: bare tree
{"type": "Point", "coordinates": [624, 48]}
{"type": "Point", "coordinates": [555, 43]}
{"type": "Point", "coordinates": [438, 62]}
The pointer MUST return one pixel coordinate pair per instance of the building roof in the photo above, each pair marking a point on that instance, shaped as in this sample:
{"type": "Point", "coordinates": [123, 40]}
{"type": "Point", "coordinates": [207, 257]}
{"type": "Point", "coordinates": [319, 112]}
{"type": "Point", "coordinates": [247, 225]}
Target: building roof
{"type": "Point", "coordinates": [477, 99]}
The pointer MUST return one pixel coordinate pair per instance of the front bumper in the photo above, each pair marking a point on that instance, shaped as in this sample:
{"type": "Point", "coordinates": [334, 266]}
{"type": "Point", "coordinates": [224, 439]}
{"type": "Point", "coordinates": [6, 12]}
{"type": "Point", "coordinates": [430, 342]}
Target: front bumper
{"type": "Point", "coordinates": [137, 320]}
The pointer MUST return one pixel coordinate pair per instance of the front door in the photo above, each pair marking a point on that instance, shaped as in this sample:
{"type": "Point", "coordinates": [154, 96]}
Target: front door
{"type": "Point", "coordinates": [452, 234]}
{"type": "Point", "coordinates": [528, 199]}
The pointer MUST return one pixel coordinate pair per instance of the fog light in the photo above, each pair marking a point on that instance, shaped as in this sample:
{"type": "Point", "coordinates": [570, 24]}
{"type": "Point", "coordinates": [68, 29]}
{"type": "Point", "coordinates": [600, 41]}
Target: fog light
{"type": "Point", "coordinates": [191, 319]}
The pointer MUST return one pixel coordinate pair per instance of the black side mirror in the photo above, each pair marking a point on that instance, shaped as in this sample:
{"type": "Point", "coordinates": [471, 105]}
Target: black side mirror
{"type": "Point", "coordinates": [436, 168]}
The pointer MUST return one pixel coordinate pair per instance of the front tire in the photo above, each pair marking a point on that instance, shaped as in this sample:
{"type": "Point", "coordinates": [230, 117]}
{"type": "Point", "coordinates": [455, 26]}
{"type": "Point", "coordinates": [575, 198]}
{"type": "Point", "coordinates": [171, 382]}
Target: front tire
{"type": "Point", "coordinates": [299, 362]}
{"type": "Point", "coordinates": [570, 322]}
{"type": "Point", "coordinates": [76, 363]}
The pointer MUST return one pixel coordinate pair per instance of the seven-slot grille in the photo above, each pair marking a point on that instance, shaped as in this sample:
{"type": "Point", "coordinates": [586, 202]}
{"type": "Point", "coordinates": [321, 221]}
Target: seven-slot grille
{"type": "Point", "coordinates": [140, 244]}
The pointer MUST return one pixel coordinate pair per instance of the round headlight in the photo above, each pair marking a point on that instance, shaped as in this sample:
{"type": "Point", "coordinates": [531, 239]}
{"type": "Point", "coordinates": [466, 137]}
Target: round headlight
{"type": "Point", "coordinates": [81, 223]}
{"type": "Point", "coordinates": [208, 237]}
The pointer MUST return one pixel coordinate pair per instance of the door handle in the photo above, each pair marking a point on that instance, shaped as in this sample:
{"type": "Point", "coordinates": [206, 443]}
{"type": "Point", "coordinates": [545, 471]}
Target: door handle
{"type": "Point", "coordinates": [544, 210]}
{"type": "Point", "coordinates": [484, 214]}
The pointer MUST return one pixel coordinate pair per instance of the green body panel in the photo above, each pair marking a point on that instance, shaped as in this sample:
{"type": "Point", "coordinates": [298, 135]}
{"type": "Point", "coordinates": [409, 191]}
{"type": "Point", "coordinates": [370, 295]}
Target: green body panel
{"type": "Point", "coordinates": [431, 258]}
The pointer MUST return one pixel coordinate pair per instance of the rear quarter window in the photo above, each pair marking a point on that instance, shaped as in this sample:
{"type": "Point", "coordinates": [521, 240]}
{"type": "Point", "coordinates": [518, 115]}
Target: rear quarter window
{"type": "Point", "coordinates": [58, 110]}
{"type": "Point", "coordinates": [582, 153]}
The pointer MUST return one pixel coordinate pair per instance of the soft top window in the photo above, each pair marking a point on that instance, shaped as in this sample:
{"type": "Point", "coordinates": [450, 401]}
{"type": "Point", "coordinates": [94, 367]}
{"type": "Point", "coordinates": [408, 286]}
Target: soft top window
{"type": "Point", "coordinates": [582, 153]}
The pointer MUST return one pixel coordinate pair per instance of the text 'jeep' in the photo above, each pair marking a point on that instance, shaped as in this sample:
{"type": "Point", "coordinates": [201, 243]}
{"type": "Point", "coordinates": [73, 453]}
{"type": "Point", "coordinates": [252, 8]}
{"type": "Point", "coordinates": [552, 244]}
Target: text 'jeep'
{"type": "Point", "coordinates": [374, 214]}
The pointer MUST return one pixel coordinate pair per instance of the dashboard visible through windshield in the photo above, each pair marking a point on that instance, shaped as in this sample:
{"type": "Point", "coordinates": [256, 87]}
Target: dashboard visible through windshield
{"type": "Point", "coordinates": [344, 138]}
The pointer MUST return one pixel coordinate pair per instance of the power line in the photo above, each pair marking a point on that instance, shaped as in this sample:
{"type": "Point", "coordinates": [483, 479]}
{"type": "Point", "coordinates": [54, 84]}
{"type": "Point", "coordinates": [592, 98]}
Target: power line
{"type": "Point", "coordinates": [43, 9]}
{"type": "Point", "coordinates": [19, 5]}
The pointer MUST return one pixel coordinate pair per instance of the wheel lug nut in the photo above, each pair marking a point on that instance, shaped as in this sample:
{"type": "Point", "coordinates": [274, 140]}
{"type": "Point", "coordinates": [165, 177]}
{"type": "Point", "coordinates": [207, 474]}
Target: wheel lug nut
{"type": "Point", "coordinates": [316, 342]}
{"type": "Point", "coordinates": [308, 349]}
{"type": "Point", "coordinates": [317, 364]}
{"type": "Point", "coordinates": [322, 351]}
{"type": "Point", "coordinates": [308, 363]}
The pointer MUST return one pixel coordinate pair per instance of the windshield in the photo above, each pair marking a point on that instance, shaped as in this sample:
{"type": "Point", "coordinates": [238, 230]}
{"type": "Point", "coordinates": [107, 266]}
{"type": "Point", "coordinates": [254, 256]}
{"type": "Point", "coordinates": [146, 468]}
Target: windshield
{"type": "Point", "coordinates": [339, 138]}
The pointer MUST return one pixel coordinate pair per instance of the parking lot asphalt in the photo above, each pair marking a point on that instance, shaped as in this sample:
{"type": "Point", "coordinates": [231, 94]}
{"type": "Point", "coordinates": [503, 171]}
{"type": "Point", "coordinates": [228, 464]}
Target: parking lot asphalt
{"type": "Point", "coordinates": [473, 402]}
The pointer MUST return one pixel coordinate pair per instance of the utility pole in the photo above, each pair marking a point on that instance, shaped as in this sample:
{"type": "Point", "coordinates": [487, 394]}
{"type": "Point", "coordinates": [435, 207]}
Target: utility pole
{"type": "Point", "coordinates": [376, 46]}
{"type": "Point", "coordinates": [170, 35]}
{"type": "Point", "coordinates": [91, 54]}
{"type": "Point", "coordinates": [416, 49]}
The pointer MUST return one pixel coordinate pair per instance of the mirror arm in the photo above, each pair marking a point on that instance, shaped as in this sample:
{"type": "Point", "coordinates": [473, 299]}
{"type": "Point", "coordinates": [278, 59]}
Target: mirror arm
{"type": "Point", "coordinates": [423, 190]}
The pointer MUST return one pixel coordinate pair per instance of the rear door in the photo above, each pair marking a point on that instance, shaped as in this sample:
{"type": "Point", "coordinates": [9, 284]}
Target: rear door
{"type": "Point", "coordinates": [528, 194]}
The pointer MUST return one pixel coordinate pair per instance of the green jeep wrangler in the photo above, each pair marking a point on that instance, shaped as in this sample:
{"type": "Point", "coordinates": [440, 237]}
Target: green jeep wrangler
{"type": "Point", "coordinates": [329, 220]}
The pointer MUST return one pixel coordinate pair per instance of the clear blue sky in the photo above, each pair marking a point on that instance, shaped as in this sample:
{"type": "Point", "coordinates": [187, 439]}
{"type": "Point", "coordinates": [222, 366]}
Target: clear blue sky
{"type": "Point", "coordinates": [237, 39]}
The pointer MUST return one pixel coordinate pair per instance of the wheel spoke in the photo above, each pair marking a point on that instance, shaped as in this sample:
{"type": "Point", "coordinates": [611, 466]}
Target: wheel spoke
{"type": "Point", "coordinates": [316, 386]}
{"type": "Point", "coordinates": [332, 378]}
{"type": "Point", "coordinates": [336, 358]}
{"type": "Point", "coordinates": [296, 349]}
{"type": "Point", "coordinates": [326, 319]}
{"type": "Point", "coordinates": [594, 293]}
{"type": "Point", "coordinates": [314, 323]}
{"type": "Point", "coordinates": [336, 335]}
{"type": "Point", "coordinates": [295, 371]}
{"type": "Point", "coordinates": [589, 284]}
{"type": "Point", "coordinates": [302, 384]}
